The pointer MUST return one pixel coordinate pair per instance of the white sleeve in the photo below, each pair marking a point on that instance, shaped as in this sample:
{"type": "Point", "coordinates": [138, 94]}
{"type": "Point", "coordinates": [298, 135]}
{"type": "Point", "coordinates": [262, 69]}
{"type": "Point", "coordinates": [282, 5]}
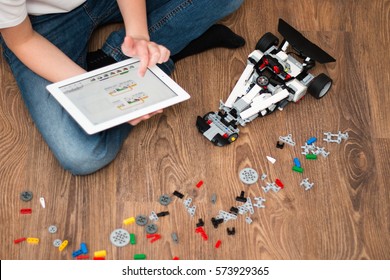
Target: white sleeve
{"type": "Point", "coordinates": [12, 12]}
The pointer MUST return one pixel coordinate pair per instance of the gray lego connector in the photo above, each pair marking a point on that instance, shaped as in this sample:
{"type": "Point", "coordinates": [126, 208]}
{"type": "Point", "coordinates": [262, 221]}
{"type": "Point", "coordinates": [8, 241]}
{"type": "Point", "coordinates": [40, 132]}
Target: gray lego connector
{"type": "Point", "coordinates": [287, 139]}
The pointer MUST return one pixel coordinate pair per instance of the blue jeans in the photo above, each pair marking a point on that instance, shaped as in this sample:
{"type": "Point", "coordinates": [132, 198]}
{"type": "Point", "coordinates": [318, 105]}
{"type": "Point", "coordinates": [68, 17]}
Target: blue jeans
{"type": "Point", "coordinates": [172, 23]}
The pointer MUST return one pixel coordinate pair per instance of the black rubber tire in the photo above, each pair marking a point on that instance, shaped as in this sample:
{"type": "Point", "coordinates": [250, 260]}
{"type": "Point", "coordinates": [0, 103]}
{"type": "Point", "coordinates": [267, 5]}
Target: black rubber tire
{"type": "Point", "coordinates": [266, 41]}
{"type": "Point", "coordinates": [320, 86]}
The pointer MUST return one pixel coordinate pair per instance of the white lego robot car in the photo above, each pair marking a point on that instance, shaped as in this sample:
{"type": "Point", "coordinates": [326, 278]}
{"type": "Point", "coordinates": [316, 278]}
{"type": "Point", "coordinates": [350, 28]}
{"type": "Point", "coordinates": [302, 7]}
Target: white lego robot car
{"type": "Point", "coordinates": [273, 78]}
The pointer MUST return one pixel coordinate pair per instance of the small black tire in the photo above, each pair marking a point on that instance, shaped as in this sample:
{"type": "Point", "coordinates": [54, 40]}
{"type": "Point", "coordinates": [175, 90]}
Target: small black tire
{"type": "Point", "coordinates": [320, 86]}
{"type": "Point", "coordinates": [266, 41]}
{"type": "Point", "coordinates": [233, 137]}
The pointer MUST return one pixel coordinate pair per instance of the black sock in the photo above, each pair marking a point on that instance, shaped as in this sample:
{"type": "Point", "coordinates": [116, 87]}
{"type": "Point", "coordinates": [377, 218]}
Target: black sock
{"type": "Point", "coordinates": [217, 36]}
{"type": "Point", "coordinates": [98, 59]}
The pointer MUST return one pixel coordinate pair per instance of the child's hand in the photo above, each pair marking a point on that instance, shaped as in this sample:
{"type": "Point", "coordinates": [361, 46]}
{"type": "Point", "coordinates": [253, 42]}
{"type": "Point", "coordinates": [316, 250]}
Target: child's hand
{"type": "Point", "coordinates": [148, 52]}
{"type": "Point", "coordinates": [140, 119]}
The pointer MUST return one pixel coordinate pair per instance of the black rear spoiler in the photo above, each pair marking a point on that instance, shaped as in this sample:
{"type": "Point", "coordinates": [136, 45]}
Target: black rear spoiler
{"type": "Point", "coordinates": [303, 45]}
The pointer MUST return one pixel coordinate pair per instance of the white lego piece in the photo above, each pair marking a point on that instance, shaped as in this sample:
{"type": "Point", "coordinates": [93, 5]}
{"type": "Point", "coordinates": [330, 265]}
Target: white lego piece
{"type": "Point", "coordinates": [249, 205]}
{"type": "Point", "coordinates": [300, 89]}
{"type": "Point", "coordinates": [287, 139]}
{"type": "Point", "coordinates": [306, 184]}
{"type": "Point", "coordinates": [240, 88]}
{"type": "Point", "coordinates": [251, 94]}
{"type": "Point", "coordinates": [226, 216]}
{"type": "Point", "coordinates": [187, 202]}
{"type": "Point", "coordinates": [153, 216]}
{"type": "Point", "coordinates": [258, 104]}
{"type": "Point", "coordinates": [248, 220]}
{"type": "Point", "coordinates": [191, 210]}
{"type": "Point", "coordinates": [42, 201]}
{"type": "Point", "coordinates": [271, 159]}
{"type": "Point", "coordinates": [263, 176]}
{"type": "Point", "coordinates": [259, 203]}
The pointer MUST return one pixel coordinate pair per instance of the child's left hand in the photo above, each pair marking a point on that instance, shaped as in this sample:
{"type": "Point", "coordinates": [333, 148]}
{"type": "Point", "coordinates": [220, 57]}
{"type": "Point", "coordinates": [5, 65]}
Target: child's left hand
{"type": "Point", "coordinates": [148, 52]}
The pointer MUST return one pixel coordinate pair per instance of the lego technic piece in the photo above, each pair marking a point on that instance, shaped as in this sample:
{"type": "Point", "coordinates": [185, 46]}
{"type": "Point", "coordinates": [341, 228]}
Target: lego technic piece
{"type": "Point", "coordinates": [63, 245]}
{"type": "Point", "coordinates": [139, 256]}
{"type": "Point", "coordinates": [259, 202]}
{"type": "Point", "coordinates": [98, 258]}
{"type": "Point", "coordinates": [153, 237]}
{"type": "Point", "coordinates": [76, 253]}
{"type": "Point", "coordinates": [202, 233]}
{"type": "Point", "coordinates": [248, 176]}
{"type": "Point", "coordinates": [32, 240]}
{"type": "Point", "coordinates": [242, 197]}
{"type": "Point", "coordinates": [26, 196]}
{"type": "Point", "coordinates": [263, 176]}
{"type": "Point", "coordinates": [271, 186]}
{"type": "Point", "coordinates": [174, 237]}
{"type": "Point", "coordinates": [234, 210]}
{"type": "Point", "coordinates": [200, 223]}
{"type": "Point", "coordinates": [335, 138]}
{"type": "Point", "coordinates": [84, 248]}
{"type": "Point", "coordinates": [231, 231]}
{"type": "Point", "coordinates": [163, 214]}
{"type": "Point", "coordinates": [218, 244]}
{"type": "Point", "coordinates": [287, 139]}
{"type": "Point", "coordinates": [305, 183]}
{"type": "Point", "coordinates": [216, 221]}
{"type": "Point", "coordinates": [129, 221]}
{"type": "Point", "coordinates": [100, 254]}
{"type": "Point", "coordinates": [311, 140]}
{"type": "Point", "coordinates": [25, 211]}
{"type": "Point", "coordinates": [19, 240]}
{"type": "Point", "coordinates": [297, 169]}
{"type": "Point", "coordinates": [141, 220]}
{"type": "Point", "coordinates": [42, 201]}
{"type": "Point", "coordinates": [175, 258]}
{"type": "Point", "coordinates": [321, 151]}
{"type": "Point", "coordinates": [279, 183]}
{"type": "Point", "coordinates": [279, 144]}
{"type": "Point", "coordinates": [275, 75]}
{"type": "Point", "coordinates": [297, 163]}
{"type": "Point", "coordinates": [271, 159]}
{"type": "Point", "coordinates": [132, 239]}
{"type": "Point", "coordinates": [187, 202]}
{"type": "Point", "coordinates": [82, 257]}
{"type": "Point", "coordinates": [248, 220]}
{"type": "Point", "coordinates": [311, 156]}
{"type": "Point", "coordinates": [226, 216]}
{"type": "Point", "coordinates": [165, 199]}
{"type": "Point", "coordinates": [52, 229]}
{"type": "Point", "coordinates": [191, 210]}
{"type": "Point", "coordinates": [153, 216]}
{"type": "Point", "coordinates": [178, 194]}
{"type": "Point", "coordinates": [213, 198]}
{"type": "Point", "coordinates": [307, 149]}
{"type": "Point", "coordinates": [57, 243]}
{"type": "Point", "coordinates": [199, 184]}
{"type": "Point", "coordinates": [120, 237]}
{"type": "Point", "coordinates": [151, 228]}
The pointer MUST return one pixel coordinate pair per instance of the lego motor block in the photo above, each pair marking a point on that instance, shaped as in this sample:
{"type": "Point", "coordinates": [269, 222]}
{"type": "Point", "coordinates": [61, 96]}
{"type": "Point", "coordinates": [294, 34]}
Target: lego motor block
{"type": "Point", "coordinates": [275, 75]}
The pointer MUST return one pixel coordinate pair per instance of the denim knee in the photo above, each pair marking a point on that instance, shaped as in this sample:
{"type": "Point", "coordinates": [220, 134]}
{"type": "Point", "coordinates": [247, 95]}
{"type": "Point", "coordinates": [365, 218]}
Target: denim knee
{"type": "Point", "coordinates": [87, 157]}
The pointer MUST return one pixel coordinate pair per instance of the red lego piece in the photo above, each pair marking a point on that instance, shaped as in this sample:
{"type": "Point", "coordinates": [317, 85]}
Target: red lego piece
{"type": "Point", "coordinates": [26, 211]}
{"type": "Point", "coordinates": [82, 257]}
{"type": "Point", "coordinates": [199, 184]}
{"type": "Point", "coordinates": [16, 241]}
{"type": "Point", "coordinates": [279, 183]}
{"type": "Point", "coordinates": [218, 244]}
{"type": "Point", "coordinates": [175, 258]}
{"type": "Point", "coordinates": [99, 258]}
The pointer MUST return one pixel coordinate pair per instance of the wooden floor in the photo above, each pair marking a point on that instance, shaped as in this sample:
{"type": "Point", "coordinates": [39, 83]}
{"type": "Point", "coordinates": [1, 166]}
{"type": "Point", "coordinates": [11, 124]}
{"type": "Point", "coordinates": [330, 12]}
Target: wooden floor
{"type": "Point", "coordinates": [345, 215]}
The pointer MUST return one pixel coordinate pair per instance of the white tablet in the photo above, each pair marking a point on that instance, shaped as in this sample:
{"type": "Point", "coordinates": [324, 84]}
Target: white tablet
{"type": "Point", "coordinates": [116, 94]}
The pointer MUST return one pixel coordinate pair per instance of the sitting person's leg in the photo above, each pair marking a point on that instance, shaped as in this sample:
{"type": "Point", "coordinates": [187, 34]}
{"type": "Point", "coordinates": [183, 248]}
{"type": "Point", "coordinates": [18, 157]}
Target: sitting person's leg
{"type": "Point", "coordinates": [76, 151]}
{"type": "Point", "coordinates": [185, 27]}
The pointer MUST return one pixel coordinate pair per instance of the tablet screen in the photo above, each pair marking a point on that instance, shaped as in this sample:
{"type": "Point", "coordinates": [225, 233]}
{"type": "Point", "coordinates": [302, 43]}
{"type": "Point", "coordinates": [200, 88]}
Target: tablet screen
{"type": "Point", "coordinates": [117, 92]}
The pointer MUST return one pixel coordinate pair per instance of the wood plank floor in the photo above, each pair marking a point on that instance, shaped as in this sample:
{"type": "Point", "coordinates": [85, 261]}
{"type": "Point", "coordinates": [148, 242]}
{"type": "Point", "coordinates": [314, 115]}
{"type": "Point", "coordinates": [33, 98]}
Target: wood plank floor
{"type": "Point", "coordinates": [345, 215]}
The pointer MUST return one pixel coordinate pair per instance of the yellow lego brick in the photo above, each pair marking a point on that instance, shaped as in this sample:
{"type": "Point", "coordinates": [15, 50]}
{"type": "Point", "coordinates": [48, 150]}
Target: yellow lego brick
{"type": "Point", "coordinates": [101, 253]}
{"type": "Point", "coordinates": [32, 240]}
{"type": "Point", "coordinates": [129, 221]}
{"type": "Point", "coordinates": [63, 245]}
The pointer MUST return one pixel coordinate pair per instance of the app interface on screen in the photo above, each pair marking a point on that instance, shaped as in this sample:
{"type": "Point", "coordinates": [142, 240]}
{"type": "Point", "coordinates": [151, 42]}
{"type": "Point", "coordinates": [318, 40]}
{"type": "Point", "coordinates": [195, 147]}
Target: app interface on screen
{"type": "Point", "coordinates": [116, 93]}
